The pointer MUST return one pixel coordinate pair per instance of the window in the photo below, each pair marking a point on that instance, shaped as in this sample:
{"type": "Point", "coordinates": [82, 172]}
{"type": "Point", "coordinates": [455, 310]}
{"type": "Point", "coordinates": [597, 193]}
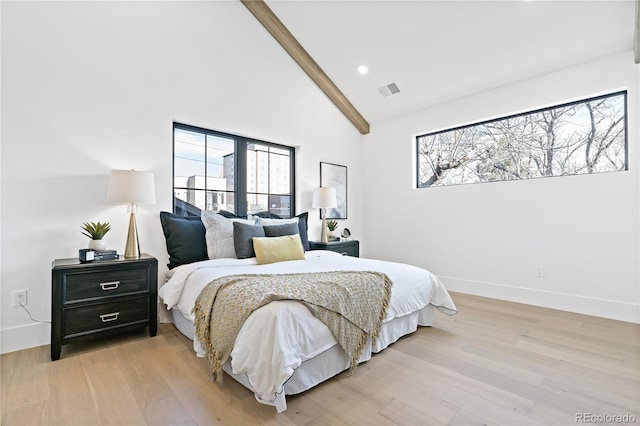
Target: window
{"type": "Point", "coordinates": [583, 137]}
{"type": "Point", "coordinates": [219, 171]}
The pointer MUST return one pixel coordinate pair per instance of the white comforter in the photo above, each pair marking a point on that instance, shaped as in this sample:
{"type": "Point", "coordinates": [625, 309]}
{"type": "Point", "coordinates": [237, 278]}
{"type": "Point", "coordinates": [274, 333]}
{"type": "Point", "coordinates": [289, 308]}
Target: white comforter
{"type": "Point", "coordinates": [286, 332]}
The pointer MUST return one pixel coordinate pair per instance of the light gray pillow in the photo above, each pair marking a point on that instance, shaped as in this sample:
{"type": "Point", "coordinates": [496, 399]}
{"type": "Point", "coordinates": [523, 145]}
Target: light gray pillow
{"type": "Point", "coordinates": [219, 234]}
{"type": "Point", "coordinates": [243, 239]}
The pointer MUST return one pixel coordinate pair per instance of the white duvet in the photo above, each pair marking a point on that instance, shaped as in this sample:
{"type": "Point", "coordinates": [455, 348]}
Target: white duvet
{"type": "Point", "coordinates": [278, 337]}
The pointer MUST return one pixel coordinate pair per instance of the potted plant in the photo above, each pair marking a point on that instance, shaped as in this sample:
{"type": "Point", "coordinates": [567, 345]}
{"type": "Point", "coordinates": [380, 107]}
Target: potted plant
{"type": "Point", "coordinates": [332, 225]}
{"type": "Point", "coordinates": [96, 231]}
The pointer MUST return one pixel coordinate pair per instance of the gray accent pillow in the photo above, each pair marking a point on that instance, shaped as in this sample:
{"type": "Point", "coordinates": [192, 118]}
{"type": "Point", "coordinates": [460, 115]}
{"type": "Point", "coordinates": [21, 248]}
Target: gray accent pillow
{"type": "Point", "coordinates": [281, 230]}
{"type": "Point", "coordinates": [243, 239]}
{"type": "Point", "coordinates": [300, 219]}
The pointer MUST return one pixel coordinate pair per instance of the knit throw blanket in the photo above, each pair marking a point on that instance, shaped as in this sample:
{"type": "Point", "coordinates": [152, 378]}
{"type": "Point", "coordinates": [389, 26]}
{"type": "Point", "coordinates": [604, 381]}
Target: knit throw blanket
{"type": "Point", "coordinates": [352, 304]}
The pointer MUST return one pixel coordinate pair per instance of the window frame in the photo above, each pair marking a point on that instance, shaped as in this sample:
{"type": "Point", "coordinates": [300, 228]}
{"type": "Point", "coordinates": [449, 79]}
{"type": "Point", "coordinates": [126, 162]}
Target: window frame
{"type": "Point", "coordinates": [240, 165]}
{"type": "Point", "coordinates": [623, 93]}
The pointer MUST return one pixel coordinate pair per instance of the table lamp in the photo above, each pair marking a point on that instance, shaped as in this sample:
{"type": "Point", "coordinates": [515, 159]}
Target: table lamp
{"type": "Point", "coordinates": [132, 187]}
{"type": "Point", "coordinates": [324, 198]}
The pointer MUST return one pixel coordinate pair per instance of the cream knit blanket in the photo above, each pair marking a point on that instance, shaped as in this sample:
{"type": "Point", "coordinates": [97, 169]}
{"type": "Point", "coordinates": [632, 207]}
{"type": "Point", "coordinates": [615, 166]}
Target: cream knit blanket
{"type": "Point", "coordinates": [352, 304]}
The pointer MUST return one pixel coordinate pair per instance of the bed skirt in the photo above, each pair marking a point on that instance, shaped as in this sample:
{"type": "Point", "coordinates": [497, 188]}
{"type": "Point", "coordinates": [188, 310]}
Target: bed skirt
{"type": "Point", "coordinates": [326, 364]}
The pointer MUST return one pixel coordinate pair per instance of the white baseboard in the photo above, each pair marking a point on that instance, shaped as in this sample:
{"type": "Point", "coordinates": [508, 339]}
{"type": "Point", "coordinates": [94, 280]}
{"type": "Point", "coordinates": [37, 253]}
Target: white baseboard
{"type": "Point", "coordinates": [24, 337]}
{"type": "Point", "coordinates": [612, 309]}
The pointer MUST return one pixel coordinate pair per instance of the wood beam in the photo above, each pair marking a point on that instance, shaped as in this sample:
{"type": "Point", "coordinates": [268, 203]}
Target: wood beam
{"type": "Point", "coordinates": [636, 37]}
{"type": "Point", "coordinates": [276, 28]}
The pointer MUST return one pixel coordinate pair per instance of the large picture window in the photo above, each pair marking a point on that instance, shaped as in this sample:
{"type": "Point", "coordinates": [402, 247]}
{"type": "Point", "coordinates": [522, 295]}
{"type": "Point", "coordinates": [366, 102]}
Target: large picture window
{"type": "Point", "coordinates": [583, 137]}
{"type": "Point", "coordinates": [219, 171]}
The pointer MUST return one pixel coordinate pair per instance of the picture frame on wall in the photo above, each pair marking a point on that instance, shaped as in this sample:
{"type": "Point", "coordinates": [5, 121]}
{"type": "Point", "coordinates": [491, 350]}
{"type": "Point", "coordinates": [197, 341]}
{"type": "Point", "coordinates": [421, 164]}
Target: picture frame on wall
{"type": "Point", "coordinates": [335, 175]}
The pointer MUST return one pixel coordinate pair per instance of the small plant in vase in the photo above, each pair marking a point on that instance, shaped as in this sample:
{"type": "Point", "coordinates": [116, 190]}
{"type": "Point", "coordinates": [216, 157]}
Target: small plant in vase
{"type": "Point", "coordinates": [96, 231]}
{"type": "Point", "coordinates": [332, 225]}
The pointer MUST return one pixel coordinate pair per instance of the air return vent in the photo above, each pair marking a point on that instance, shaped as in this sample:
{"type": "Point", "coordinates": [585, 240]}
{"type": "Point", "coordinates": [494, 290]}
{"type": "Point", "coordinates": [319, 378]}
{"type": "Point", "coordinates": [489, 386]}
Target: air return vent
{"type": "Point", "coordinates": [389, 89]}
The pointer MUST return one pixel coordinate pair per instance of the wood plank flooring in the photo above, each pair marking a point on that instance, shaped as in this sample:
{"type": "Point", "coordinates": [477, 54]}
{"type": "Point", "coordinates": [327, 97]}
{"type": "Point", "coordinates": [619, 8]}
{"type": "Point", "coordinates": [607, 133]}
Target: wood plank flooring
{"type": "Point", "coordinates": [494, 363]}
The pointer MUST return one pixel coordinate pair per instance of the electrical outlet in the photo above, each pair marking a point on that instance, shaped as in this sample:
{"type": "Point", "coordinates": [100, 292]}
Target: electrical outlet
{"type": "Point", "coordinates": [540, 271]}
{"type": "Point", "coordinates": [20, 297]}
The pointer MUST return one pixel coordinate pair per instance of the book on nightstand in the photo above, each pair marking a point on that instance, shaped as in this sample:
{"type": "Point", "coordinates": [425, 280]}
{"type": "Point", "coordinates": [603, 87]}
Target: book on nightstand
{"type": "Point", "coordinates": [105, 255]}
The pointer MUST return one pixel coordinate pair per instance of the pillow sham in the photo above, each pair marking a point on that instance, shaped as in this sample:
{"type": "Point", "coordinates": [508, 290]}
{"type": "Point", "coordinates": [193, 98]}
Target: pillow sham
{"type": "Point", "coordinates": [219, 234]}
{"type": "Point", "coordinates": [300, 219]}
{"type": "Point", "coordinates": [304, 229]}
{"type": "Point", "coordinates": [267, 214]}
{"type": "Point", "coordinates": [280, 230]}
{"type": "Point", "coordinates": [243, 239]}
{"type": "Point", "coordinates": [229, 215]}
{"type": "Point", "coordinates": [278, 249]}
{"type": "Point", "coordinates": [185, 239]}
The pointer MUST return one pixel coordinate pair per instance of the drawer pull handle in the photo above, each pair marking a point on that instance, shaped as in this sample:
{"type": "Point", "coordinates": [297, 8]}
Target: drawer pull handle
{"type": "Point", "coordinates": [111, 285]}
{"type": "Point", "coordinates": [109, 317]}
{"type": "Point", "coordinates": [344, 253]}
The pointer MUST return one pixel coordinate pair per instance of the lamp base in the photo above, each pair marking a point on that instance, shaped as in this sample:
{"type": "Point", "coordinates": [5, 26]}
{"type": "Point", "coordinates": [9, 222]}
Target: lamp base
{"type": "Point", "coordinates": [132, 247]}
{"type": "Point", "coordinates": [323, 236]}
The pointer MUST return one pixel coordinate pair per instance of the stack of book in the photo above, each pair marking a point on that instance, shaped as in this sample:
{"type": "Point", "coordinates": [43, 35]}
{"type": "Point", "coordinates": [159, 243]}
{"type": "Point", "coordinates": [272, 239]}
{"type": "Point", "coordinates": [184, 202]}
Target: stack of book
{"type": "Point", "coordinates": [105, 255]}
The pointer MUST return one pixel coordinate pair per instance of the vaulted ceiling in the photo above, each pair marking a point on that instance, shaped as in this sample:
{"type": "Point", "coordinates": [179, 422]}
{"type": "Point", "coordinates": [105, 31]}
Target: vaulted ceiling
{"type": "Point", "coordinates": [437, 51]}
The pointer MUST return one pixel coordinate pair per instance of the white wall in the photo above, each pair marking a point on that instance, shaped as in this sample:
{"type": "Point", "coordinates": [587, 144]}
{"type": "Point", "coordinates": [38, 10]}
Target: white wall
{"type": "Point", "coordinates": [487, 239]}
{"type": "Point", "coordinates": [88, 87]}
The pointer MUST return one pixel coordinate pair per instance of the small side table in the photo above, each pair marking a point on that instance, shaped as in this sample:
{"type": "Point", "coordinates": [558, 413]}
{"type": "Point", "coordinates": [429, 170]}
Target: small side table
{"type": "Point", "coordinates": [102, 297]}
{"type": "Point", "coordinates": [346, 247]}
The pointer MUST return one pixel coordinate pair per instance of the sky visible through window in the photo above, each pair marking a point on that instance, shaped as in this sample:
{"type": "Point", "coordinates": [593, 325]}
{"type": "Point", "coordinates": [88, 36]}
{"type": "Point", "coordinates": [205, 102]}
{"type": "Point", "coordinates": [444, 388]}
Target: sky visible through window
{"type": "Point", "coordinates": [583, 137]}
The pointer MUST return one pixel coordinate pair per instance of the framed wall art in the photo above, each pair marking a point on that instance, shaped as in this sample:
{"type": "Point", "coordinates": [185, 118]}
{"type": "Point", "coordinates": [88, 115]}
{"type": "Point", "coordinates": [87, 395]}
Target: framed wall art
{"type": "Point", "coordinates": [335, 175]}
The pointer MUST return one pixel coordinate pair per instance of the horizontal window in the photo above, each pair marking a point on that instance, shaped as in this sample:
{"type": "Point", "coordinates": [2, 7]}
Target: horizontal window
{"type": "Point", "coordinates": [583, 137]}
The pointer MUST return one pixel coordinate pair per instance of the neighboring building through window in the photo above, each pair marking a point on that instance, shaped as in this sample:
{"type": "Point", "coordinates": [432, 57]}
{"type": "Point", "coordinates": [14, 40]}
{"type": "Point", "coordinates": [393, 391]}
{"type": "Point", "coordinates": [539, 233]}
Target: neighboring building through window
{"type": "Point", "coordinates": [583, 137]}
{"type": "Point", "coordinates": [219, 171]}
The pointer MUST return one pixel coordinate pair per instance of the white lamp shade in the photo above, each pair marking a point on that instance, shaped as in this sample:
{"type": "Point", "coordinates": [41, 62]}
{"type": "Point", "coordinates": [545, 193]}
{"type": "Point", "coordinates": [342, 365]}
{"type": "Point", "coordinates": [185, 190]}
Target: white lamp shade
{"type": "Point", "coordinates": [130, 186]}
{"type": "Point", "coordinates": [324, 197]}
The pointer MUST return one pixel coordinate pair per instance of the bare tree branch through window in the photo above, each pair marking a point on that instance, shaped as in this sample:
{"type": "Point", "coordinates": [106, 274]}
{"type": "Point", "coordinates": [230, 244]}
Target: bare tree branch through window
{"type": "Point", "coordinates": [582, 137]}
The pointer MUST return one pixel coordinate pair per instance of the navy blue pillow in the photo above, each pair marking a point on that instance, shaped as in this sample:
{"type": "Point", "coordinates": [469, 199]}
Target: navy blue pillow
{"type": "Point", "coordinates": [185, 240]}
{"type": "Point", "coordinates": [303, 229]}
{"type": "Point", "coordinates": [267, 215]}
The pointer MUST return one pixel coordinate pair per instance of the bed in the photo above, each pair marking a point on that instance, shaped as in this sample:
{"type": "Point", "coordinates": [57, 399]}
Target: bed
{"type": "Point", "coordinates": [290, 362]}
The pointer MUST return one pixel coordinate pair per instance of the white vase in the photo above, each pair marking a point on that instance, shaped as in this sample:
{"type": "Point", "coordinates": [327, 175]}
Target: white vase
{"type": "Point", "coordinates": [97, 245]}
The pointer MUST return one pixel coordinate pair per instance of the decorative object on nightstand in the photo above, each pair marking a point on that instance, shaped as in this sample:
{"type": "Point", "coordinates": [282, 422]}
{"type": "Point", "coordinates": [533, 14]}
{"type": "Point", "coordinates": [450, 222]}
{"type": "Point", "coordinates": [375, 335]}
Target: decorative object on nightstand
{"type": "Point", "coordinates": [346, 234]}
{"type": "Point", "coordinates": [96, 231]}
{"type": "Point", "coordinates": [332, 225]}
{"type": "Point", "coordinates": [324, 198]}
{"type": "Point", "coordinates": [132, 187]}
{"type": "Point", "coordinates": [99, 298]}
{"type": "Point", "coordinates": [346, 248]}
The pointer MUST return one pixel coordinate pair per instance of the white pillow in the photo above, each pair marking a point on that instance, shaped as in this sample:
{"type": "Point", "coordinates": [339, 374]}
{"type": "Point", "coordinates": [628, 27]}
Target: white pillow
{"type": "Point", "coordinates": [219, 234]}
{"type": "Point", "coordinates": [268, 221]}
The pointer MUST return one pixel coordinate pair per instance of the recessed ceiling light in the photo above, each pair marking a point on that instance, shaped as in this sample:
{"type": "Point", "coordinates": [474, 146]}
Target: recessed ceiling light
{"type": "Point", "coordinates": [362, 69]}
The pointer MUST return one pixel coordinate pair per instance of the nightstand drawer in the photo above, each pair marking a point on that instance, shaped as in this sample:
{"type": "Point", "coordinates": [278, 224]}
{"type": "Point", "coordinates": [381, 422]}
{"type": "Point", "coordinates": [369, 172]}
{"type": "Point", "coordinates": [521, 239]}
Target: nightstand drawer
{"type": "Point", "coordinates": [93, 318]}
{"type": "Point", "coordinates": [81, 285]}
{"type": "Point", "coordinates": [345, 248]}
{"type": "Point", "coordinates": [349, 250]}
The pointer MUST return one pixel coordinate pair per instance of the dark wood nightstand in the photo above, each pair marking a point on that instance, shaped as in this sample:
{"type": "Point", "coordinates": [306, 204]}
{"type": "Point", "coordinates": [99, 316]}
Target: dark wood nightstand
{"type": "Point", "coordinates": [346, 247]}
{"type": "Point", "coordinates": [96, 298]}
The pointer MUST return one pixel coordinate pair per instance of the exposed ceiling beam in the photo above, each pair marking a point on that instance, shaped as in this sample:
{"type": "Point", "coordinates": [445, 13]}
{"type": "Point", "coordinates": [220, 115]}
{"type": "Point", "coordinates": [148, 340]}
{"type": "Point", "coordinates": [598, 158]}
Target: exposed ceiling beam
{"type": "Point", "coordinates": [276, 28]}
{"type": "Point", "coordinates": [636, 38]}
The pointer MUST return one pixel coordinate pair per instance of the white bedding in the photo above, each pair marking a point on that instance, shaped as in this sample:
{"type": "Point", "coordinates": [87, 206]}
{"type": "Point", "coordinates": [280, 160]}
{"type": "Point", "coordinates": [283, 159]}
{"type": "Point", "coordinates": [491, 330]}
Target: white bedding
{"type": "Point", "coordinates": [285, 331]}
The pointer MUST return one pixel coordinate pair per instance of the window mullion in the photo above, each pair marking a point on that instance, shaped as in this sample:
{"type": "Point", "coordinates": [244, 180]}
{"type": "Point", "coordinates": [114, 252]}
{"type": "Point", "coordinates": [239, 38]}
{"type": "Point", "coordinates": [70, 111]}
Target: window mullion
{"type": "Point", "coordinates": [241, 177]}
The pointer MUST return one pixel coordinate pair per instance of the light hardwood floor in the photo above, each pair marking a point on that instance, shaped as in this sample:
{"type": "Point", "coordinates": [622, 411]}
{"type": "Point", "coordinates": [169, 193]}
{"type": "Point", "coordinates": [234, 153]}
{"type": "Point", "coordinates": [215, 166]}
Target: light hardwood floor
{"type": "Point", "coordinates": [494, 362]}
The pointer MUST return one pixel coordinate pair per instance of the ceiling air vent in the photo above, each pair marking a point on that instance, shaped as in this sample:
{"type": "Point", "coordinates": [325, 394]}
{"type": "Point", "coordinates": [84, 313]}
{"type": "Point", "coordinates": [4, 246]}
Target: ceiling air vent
{"type": "Point", "coordinates": [389, 89]}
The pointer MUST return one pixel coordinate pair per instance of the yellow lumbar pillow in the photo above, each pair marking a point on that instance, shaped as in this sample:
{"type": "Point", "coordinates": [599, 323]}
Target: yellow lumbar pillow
{"type": "Point", "coordinates": [278, 249]}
